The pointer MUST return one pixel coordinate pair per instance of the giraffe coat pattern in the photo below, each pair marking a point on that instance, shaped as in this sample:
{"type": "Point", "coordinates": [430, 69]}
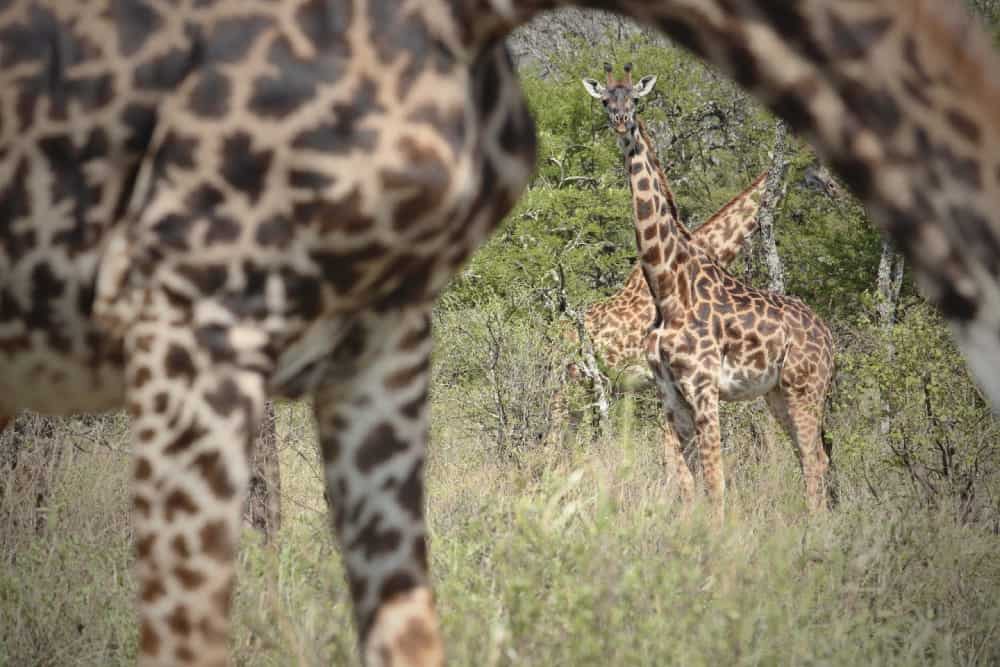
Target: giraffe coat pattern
{"type": "Point", "coordinates": [204, 202]}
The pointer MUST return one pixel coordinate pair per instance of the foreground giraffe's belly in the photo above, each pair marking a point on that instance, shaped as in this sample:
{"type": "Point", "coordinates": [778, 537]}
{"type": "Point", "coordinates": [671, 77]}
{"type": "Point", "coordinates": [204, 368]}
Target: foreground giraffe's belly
{"type": "Point", "coordinates": [743, 382]}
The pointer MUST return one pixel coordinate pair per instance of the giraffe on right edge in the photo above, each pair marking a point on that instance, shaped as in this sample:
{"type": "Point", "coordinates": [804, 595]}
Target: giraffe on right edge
{"type": "Point", "coordinates": [715, 338]}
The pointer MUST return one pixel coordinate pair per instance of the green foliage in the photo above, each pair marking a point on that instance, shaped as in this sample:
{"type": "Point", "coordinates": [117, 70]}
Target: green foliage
{"type": "Point", "coordinates": [931, 427]}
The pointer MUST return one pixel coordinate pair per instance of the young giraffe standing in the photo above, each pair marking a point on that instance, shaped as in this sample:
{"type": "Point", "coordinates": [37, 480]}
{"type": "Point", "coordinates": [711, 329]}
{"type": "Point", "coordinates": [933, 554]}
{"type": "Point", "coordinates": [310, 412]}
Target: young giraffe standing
{"type": "Point", "coordinates": [715, 338]}
{"type": "Point", "coordinates": [203, 203]}
{"type": "Point", "coordinates": [618, 324]}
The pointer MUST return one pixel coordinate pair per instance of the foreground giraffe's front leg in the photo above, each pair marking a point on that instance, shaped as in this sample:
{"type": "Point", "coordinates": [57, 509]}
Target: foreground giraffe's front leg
{"type": "Point", "coordinates": [676, 418]}
{"type": "Point", "coordinates": [698, 391]}
{"type": "Point", "coordinates": [372, 418]}
{"type": "Point", "coordinates": [194, 418]}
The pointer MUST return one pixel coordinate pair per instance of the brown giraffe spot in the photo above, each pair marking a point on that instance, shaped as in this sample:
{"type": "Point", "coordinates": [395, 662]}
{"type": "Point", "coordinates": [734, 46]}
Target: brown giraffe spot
{"type": "Point", "coordinates": [215, 540]}
{"type": "Point", "coordinates": [222, 229]}
{"type": "Point", "coordinates": [160, 402]}
{"type": "Point", "coordinates": [414, 408]}
{"type": "Point", "coordinates": [226, 398]}
{"type": "Point", "coordinates": [178, 363]}
{"type": "Point", "coordinates": [653, 256]}
{"type": "Point", "coordinates": [415, 337]}
{"type": "Point", "coordinates": [179, 622]}
{"type": "Point", "coordinates": [854, 40]}
{"type": "Point", "coordinates": [411, 492]}
{"type": "Point", "coordinates": [213, 470]}
{"type": "Point", "coordinates": [149, 641]}
{"type": "Point", "coordinates": [379, 447]}
{"type": "Point", "coordinates": [141, 505]}
{"type": "Point", "coordinates": [143, 470]}
{"type": "Point", "coordinates": [210, 96]}
{"type": "Point", "coordinates": [330, 447]}
{"type": "Point", "coordinates": [964, 125]}
{"type": "Point", "coordinates": [396, 584]}
{"type": "Point", "coordinates": [766, 328]}
{"type": "Point", "coordinates": [243, 167]}
{"type": "Point", "coordinates": [178, 501]}
{"type": "Point", "coordinates": [152, 590]}
{"type": "Point", "coordinates": [180, 547]}
{"type": "Point", "coordinates": [426, 173]}
{"type": "Point", "coordinates": [643, 209]}
{"type": "Point", "coordinates": [144, 546]}
{"type": "Point", "coordinates": [405, 377]}
{"type": "Point", "coordinates": [184, 654]}
{"type": "Point", "coordinates": [185, 439]}
{"type": "Point", "coordinates": [142, 376]}
{"type": "Point", "coordinates": [376, 541]}
{"type": "Point", "coordinates": [189, 579]}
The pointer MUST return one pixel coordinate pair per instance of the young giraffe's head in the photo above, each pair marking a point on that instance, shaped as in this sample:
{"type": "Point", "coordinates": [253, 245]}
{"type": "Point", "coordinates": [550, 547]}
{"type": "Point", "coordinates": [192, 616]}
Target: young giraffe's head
{"type": "Point", "coordinates": [619, 97]}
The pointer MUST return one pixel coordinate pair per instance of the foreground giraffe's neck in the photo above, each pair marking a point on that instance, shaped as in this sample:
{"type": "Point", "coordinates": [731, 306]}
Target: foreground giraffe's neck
{"type": "Point", "coordinates": [663, 243]}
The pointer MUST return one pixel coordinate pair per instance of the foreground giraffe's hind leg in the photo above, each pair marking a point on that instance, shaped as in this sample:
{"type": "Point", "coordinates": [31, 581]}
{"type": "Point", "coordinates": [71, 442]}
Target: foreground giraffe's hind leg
{"type": "Point", "coordinates": [372, 418]}
{"type": "Point", "coordinates": [194, 419]}
{"type": "Point", "coordinates": [801, 414]}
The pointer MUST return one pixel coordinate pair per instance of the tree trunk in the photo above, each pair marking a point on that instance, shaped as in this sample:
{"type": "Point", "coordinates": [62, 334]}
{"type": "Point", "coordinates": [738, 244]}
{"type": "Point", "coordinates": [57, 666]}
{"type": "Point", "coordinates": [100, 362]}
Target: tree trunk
{"type": "Point", "coordinates": [888, 285]}
{"type": "Point", "coordinates": [774, 192]}
{"type": "Point", "coordinates": [263, 506]}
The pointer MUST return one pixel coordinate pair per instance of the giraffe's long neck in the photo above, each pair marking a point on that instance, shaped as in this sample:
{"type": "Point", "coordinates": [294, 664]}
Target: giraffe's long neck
{"type": "Point", "coordinates": [664, 244]}
{"type": "Point", "coordinates": [722, 236]}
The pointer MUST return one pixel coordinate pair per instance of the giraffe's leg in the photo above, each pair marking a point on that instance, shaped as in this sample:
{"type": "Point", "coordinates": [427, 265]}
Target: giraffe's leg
{"type": "Point", "coordinates": [677, 468]}
{"type": "Point", "coordinates": [701, 397]}
{"type": "Point", "coordinates": [193, 423]}
{"type": "Point", "coordinates": [677, 419]}
{"type": "Point", "coordinates": [801, 414]}
{"type": "Point", "coordinates": [372, 418]}
{"type": "Point", "coordinates": [705, 406]}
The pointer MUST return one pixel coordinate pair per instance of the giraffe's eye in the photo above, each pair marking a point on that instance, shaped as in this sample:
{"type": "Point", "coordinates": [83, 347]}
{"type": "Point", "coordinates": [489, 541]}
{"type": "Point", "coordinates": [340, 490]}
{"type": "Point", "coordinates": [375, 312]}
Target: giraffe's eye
{"type": "Point", "coordinates": [604, 102]}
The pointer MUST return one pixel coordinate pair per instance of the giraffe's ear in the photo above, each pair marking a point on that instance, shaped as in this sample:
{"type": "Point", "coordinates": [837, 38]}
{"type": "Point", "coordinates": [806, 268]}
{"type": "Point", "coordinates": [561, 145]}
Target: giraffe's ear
{"type": "Point", "coordinates": [595, 89]}
{"type": "Point", "coordinates": [645, 85]}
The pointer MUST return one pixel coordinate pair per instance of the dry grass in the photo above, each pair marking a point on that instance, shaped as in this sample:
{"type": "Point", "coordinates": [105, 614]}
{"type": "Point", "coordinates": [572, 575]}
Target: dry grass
{"type": "Point", "coordinates": [576, 555]}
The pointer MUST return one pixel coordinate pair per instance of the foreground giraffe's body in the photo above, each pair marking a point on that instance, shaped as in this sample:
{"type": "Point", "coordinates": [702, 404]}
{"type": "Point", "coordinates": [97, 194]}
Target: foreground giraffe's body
{"type": "Point", "coordinates": [618, 324]}
{"type": "Point", "coordinates": [715, 338]}
{"type": "Point", "coordinates": [207, 202]}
